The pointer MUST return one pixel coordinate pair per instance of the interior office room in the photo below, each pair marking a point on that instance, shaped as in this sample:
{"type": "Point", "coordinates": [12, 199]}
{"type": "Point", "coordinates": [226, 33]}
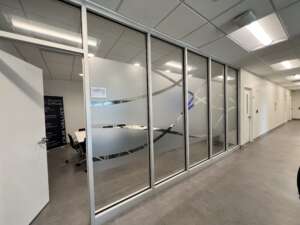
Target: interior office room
{"type": "Point", "coordinates": [123, 112]}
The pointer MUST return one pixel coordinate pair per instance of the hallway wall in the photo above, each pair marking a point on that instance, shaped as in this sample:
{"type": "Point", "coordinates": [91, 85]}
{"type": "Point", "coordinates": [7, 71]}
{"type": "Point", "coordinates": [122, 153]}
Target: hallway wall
{"type": "Point", "coordinates": [296, 104]}
{"type": "Point", "coordinates": [271, 104]}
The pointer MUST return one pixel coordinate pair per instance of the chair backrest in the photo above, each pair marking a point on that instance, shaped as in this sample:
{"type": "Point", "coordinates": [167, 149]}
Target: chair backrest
{"type": "Point", "coordinates": [72, 143]}
{"type": "Point", "coordinates": [83, 145]}
{"type": "Point", "coordinates": [81, 129]}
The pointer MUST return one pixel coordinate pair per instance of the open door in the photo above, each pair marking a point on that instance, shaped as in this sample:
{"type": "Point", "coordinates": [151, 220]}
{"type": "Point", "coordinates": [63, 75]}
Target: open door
{"type": "Point", "coordinates": [24, 189]}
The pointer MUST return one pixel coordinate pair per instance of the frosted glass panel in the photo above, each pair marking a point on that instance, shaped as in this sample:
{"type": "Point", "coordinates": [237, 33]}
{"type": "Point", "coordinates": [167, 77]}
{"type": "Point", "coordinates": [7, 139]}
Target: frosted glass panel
{"type": "Point", "coordinates": [232, 107]}
{"type": "Point", "coordinates": [217, 107]}
{"type": "Point", "coordinates": [118, 81]}
{"type": "Point", "coordinates": [167, 75]}
{"type": "Point", "coordinates": [197, 107]}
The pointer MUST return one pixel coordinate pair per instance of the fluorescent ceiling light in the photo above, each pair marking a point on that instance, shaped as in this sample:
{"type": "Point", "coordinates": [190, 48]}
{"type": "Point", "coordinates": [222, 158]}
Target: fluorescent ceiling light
{"type": "Point", "coordinates": [177, 65]}
{"type": "Point", "coordinates": [167, 71]}
{"type": "Point", "coordinates": [260, 33]}
{"type": "Point", "coordinates": [51, 31]}
{"type": "Point", "coordinates": [293, 77]}
{"type": "Point", "coordinates": [81, 74]}
{"type": "Point", "coordinates": [286, 64]}
{"type": "Point", "coordinates": [137, 64]}
{"type": "Point", "coordinates": [91, 55]}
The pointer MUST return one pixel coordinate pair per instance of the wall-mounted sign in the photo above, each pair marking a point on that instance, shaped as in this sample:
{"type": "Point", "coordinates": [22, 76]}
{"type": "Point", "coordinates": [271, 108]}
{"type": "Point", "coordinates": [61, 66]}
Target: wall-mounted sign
{"type": "Point", "coordinates": [98, 92]}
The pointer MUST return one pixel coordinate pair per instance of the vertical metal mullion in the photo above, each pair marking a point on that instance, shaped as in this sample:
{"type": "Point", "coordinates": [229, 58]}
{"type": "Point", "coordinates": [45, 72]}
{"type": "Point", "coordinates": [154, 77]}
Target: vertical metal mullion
{"type": "Point", "coordinates": [209, 110]}
{"type": "Point", "coordinates": [150, 111]}
{"type": "Point", "coordinates": [90, 169]}
{"type": "Point", "coordinates": [186, 110]}
{"type": "Point", "coordinates": [239, 111]}
{"type": "Point", "coordinates": [225, 108]}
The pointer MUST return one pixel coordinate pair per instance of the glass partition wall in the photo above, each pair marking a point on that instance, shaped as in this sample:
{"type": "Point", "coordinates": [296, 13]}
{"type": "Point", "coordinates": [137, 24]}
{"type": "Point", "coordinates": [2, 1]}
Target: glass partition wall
{"type": "Point", "coordinates": [218, 107]}
{"type": "Point", "coordinates": [197, 70]}
{"type": "Point", "coordinates": [137, 81]}
{"type": "Point", "coordinates": [118, 82]}
{"type": "Point", "coordinates": [232, 107]}
{"type": "Point", "coordinates": [168, 105]}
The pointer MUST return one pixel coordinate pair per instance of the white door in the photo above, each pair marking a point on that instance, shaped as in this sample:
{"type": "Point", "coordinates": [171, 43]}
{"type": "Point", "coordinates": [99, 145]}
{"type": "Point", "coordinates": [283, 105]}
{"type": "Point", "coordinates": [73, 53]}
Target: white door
{"type": "Point", "coordinates": [24, 189]}
{"type": "Point", "coordinates": [247, 115]}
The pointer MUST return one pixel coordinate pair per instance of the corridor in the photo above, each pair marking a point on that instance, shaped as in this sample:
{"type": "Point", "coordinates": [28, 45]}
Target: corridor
{"type": "Point", "coordinates": [253, 186]}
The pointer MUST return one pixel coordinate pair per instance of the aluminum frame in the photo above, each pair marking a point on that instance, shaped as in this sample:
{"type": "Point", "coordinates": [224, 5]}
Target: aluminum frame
{"type": "Point", "coordinates": [86, 5]}
{"type": "Point", "coordinates": [210, 153]}
{"type": "Point", "coordinates": [186, 110]}
{"type": "Point", "coordinates": [225, 106]}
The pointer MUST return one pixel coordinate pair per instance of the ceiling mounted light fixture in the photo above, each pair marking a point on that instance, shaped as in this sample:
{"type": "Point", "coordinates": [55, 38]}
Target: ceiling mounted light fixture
{"type": "Point", "coordinates": [137, 64]}
{"type": "Point", "coordinates": [48, 30]}
{"type": "Point", "coordinates": [286, 64]}
{"type": "Point", "coordinates": [260, 33]}
{"type": "Point", "coordinates": [293, 77]}
{"type": "Point", "coordinates": [177, 65]}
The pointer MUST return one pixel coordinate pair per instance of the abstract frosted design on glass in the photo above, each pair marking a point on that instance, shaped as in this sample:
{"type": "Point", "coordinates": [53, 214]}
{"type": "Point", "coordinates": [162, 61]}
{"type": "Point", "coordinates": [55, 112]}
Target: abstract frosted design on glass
{"type": "Point", "coordinates": [232, 107]}
{"type": "Point", "coordinates": [119, 117]}
{"type": "Point", "coordinates": [217, 107]}
{"type": "Point", "coordinates": [197, 105]}
{"type": "Point", "coordinates": [167, 75]}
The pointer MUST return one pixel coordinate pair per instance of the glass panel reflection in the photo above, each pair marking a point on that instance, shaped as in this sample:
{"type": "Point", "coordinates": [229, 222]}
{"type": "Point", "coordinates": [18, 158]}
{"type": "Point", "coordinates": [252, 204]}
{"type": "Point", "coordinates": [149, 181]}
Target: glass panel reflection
{"type": "Point", "coordinates": [118, 81]}
{"type": "Point", "coordinates": [232, 107]}
{"type": "Point", "coordinates": [167, 91]}
{"type": "Point", "coordinates": [197, 107]}
{"type": "Point", "coordinates": [217, 107]}
{"type": "Point", "coordinates": [50, 20]}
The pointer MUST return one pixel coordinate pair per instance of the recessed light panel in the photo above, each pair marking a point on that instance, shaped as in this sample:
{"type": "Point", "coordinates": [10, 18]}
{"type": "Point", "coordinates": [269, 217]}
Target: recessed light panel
{"type": "Point", "coordinates": [286, 64]}
{"type": "Point", "coordinates": [260, 33]}
{"type": "Point", "coordinates": [293, 77]}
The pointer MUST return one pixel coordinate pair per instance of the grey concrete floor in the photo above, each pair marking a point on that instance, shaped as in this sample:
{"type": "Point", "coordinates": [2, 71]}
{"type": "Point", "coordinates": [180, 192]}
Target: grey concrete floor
{"type": "Point", "coordinates": [253, 186]}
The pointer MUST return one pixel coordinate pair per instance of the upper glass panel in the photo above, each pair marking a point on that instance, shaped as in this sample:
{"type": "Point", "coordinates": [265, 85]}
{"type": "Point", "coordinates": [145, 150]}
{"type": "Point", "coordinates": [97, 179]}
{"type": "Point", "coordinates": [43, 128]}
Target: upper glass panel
{"type": "Point", "coordinates": [232, 107]}
{"type": "Point", "coordinates": [217, 107]}
{"type": "Point", "coordinates": [50, 20]}
{"type": "Point", "coordinates": [118, 81]}
{"type": "Point", "coordinates": [167, 92]}
{"type": "Point", "coordinates": [197, 107]}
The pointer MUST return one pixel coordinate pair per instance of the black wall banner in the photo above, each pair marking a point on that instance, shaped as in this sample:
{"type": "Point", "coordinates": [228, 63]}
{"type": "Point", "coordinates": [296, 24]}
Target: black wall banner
{"type": "Point", "coordinates": [55, 121]}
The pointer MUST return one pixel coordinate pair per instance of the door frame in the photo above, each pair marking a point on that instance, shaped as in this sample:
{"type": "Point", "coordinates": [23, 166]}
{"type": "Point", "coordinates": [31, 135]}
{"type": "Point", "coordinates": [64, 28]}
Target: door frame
{"type": "Point", "coordinates": [251, 114]}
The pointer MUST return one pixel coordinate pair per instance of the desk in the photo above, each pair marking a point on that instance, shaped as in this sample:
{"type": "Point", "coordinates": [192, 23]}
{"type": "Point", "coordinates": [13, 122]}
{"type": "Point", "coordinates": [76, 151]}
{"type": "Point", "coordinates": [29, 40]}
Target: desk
{"type": "Point", "coordinates": [80, 136]}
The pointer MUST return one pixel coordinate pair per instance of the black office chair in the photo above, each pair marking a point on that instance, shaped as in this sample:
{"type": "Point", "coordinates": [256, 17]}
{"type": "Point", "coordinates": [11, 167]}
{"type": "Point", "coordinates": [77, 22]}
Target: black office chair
{"type": "Point", "coordinates": [81, 129]}
{"type": "Point", "coordinates": [74, 145]}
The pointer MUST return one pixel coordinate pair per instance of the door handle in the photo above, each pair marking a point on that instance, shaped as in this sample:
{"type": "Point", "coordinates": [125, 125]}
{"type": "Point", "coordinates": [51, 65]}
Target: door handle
{"type": "Point", "coordinates": [43, 141]}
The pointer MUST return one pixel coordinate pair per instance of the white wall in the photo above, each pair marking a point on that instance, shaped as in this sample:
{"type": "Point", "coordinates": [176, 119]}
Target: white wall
{"type": "Point", "coordinates": [272, 101]}
{"type": "Point", "coordinates": [295, 104]}
{"type": "Point", "coordinates": [72, 93]}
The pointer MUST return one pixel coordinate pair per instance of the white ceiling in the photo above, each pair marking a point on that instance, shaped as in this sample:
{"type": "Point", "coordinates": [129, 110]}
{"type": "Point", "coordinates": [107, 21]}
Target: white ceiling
{"type": "Point", "coordinates": [205, 24]}
{"type": "Point", "coordinates": [201, 23]}
{"type": "Point", "coordinates": [56, 65]}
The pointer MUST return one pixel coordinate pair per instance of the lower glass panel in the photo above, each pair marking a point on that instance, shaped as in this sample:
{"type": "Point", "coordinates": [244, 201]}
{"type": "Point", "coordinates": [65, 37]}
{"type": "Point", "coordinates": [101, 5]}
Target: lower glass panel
{"type": "Point", "coordinates": [217, 107]}
{"type": "Point", "coordinates": [232, 107]}
{"type": "Point", "coordinates": [118, 82]}
{"type": "Point", "coordinates": [197, 108]}
{"type": "Point", "coordinates": [167, 91]}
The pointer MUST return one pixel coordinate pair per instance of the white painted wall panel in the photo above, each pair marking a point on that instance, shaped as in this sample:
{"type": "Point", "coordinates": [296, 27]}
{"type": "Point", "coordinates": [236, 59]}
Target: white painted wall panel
{"type": "Point", "coordinates": [271, 104]}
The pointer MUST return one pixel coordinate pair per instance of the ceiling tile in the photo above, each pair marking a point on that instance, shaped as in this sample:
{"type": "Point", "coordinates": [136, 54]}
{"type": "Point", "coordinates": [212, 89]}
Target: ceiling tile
{"type": "Point", "coordinates": [279, 4]}
{"type": "Point", "coordinates": [110, 4]}
{"type": "Point", "coordinates": [225, 50]}
{"type": "Point", "coordinates": [211, 8]}
{"type": "Point", "coordinates": [206, 34]}
{"type": "Point", "coordinates": [261, 8]}
{"type": "Point", "coordinates": [254, 65]}
{"type": "Point", "coordinates": [181, 22]}
{"type": "Point", "coordinates": [11, 3]}
{"type": "Point", "coordinates": [291, 18]}
{"type": "Point", "coordinates": [147, 12]}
